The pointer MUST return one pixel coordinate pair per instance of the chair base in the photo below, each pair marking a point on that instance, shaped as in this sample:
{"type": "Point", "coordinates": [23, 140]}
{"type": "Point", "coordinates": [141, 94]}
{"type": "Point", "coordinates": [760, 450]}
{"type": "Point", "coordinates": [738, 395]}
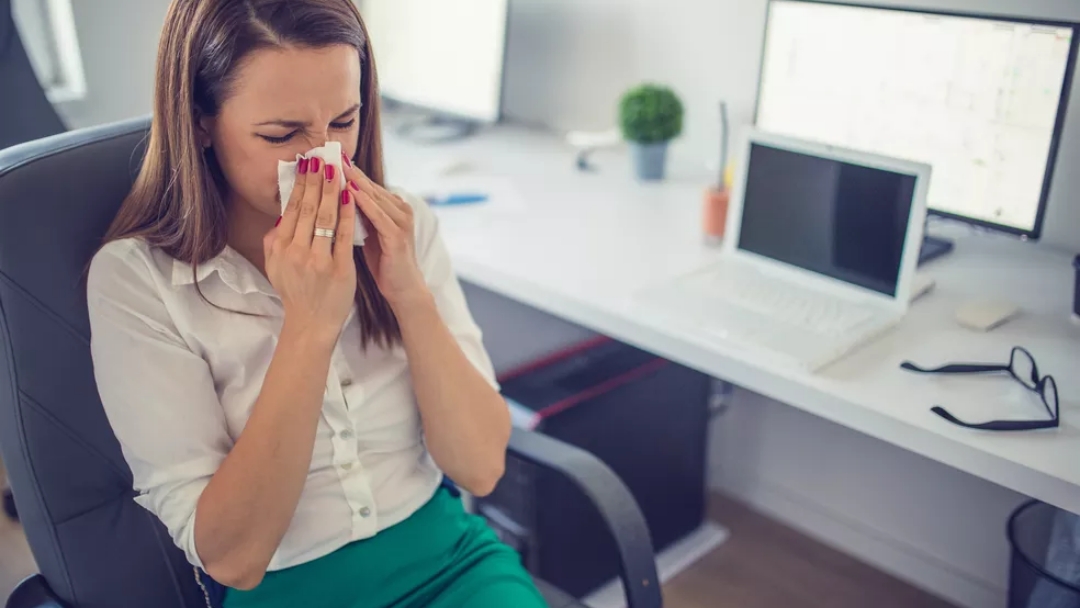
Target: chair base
{"type": "Point", "coordinates": [33, 592]}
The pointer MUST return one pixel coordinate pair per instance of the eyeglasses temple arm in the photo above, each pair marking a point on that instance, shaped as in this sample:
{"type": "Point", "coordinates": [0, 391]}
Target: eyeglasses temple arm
{"type": "Point", "coordinates": [997, 425]}
{"type": "Point", "coordinates": [957, 368]}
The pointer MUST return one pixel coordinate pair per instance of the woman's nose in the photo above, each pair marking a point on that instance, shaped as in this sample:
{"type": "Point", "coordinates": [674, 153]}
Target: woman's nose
{"type": "Point", "coordinates": [315, 139]}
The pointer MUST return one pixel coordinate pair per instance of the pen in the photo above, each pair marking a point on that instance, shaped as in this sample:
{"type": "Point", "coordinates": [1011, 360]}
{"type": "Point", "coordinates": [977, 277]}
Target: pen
{"type": "Point", "coordinates": [456, 199]}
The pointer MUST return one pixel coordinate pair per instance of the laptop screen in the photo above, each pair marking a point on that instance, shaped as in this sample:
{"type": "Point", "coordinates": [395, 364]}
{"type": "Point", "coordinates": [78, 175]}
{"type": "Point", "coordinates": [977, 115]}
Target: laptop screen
{"type": "Point", "coordinates": [842, 220]}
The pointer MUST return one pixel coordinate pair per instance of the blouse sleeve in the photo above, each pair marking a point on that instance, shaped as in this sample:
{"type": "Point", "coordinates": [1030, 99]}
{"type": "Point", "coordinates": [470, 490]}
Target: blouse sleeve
{"type": "Point", "coordinates": [435, 264]}
{"type": "Point", "coordinates": [158, 395]}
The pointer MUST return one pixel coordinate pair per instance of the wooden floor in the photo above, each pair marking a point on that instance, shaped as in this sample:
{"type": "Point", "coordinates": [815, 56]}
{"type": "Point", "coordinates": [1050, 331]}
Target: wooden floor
{"type": "Point", "coordinates": [763, 565]}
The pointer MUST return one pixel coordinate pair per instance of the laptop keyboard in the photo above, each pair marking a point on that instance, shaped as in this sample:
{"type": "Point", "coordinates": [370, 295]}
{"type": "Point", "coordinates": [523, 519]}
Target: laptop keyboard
{"type": "Point", "coordinates": [755, 312]}
{"type": "Point", "coordinates": [782, 302]}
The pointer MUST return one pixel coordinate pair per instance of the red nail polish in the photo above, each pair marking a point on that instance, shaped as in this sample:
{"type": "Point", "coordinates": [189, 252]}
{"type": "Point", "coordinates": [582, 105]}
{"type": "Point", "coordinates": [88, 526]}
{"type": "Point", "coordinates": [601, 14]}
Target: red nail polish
{"type": "Point", "coordinates": [329, 172]}
{"type": "Point", "coordinates": [314, 166]}
{"type": "Point", "coordinates": [354, 186]}
{"type": "Point", "coordinates": [345, 198]}
{"type": "Point", "coordinates": [278, 222]}
{"type": "Point", "coordinates": [302, 166]}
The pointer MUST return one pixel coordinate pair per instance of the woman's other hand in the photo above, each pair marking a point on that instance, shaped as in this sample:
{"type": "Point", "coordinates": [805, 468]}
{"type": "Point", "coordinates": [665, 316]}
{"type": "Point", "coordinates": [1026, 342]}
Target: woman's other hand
{"type": "Point", "coordinates": [314, 275]}
{"type": "Point", "coordinates": [391, 251]}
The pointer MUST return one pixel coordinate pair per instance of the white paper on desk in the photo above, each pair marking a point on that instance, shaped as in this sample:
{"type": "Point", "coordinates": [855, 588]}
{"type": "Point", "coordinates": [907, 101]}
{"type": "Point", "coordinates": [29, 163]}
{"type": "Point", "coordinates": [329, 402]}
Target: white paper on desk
{"type": "Point", "coordinates": [503, 196]}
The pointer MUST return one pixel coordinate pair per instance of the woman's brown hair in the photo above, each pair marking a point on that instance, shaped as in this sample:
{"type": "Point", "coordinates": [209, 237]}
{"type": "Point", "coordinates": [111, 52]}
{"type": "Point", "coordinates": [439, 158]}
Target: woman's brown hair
{"type": "Point", "coordinates": [177, 203]}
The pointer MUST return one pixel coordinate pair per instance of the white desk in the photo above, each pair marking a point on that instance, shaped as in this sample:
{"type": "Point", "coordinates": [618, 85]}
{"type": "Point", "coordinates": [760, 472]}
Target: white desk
{"type": "Point", "coordinates": [582, 245]}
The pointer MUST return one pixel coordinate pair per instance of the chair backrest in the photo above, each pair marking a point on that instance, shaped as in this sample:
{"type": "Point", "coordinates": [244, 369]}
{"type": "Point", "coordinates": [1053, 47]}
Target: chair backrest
{"type": "Point", "coordinates": [73, 489]}
{"type": "Point", "coordinates": [26, 112]}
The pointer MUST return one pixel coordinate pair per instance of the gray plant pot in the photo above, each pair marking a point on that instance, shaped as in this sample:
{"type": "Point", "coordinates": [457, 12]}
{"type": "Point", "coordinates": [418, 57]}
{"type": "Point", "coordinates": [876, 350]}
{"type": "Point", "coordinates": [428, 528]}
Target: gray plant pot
{"type": "Point", "coordinates": [650, 160]}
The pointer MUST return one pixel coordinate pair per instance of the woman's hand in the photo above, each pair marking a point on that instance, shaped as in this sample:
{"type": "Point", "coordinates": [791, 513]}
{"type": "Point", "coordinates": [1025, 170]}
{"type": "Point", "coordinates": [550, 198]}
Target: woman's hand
{"type": "Point", "coordinates": [391, 251]}
{"type": "Point", "coordinates": [314, 275]}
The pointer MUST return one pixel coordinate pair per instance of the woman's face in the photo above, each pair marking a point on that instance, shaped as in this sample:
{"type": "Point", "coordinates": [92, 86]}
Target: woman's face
{"type": "Point", "coordinates": [285, 101]}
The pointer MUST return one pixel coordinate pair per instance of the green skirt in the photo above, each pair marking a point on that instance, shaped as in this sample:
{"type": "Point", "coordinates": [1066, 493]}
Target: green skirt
{"type": "Point", "coordinates": [442, 556]}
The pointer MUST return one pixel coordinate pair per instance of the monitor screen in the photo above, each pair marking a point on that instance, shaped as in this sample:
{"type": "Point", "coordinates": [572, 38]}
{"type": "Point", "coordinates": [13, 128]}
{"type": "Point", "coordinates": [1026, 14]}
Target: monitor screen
{"type": "Point", "coordinates": [838, 219]}
{"type": "Point", "coordinates": [440, 55]}
{"type": "Point", "coordinates": [981, 100]}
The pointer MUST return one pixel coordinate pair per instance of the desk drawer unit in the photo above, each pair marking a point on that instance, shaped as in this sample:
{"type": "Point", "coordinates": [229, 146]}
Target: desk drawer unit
{"type": "Point", "coordinates": [645, 417]}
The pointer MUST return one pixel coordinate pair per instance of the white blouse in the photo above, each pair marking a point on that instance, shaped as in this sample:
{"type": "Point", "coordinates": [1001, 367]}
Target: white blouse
{"type": "Point", "coordinates": [178, 379]}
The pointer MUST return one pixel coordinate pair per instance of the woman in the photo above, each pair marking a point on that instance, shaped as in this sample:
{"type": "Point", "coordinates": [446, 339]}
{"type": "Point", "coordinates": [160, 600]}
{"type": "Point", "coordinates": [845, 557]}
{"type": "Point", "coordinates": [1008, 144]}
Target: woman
{"type": "Point", "coordinates": [288, 403]}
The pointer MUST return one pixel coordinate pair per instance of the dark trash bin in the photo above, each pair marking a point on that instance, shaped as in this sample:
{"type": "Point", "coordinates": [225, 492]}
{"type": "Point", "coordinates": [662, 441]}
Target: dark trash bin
{"type": "Point", "coordinates": [1045, 567]}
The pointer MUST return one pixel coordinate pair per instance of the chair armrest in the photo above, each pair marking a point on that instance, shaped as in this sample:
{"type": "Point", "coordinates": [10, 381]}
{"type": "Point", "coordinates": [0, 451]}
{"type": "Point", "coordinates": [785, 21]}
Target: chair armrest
{"type": "Point", "coordinates": [613, 500]}
{"type": "Point", "coordinates": [34, 592]}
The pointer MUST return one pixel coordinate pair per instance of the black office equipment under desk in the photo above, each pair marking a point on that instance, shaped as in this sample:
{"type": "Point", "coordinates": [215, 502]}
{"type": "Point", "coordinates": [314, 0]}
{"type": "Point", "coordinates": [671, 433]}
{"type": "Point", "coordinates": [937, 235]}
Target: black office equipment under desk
{"type": "Point", "coordinates": [645, 417]}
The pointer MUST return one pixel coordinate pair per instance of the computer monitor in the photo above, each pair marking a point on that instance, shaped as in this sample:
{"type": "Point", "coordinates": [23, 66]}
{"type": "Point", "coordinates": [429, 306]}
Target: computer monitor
{"type": "Point", "coordinates": [443, 56]}
{"type": "Point", "coordinates": [981, 99]}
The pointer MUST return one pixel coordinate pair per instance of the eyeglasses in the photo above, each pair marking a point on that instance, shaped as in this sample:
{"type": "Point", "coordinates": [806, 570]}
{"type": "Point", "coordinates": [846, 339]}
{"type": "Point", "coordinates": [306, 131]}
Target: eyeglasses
{"type": "Point", "coordinates": [1021, 367]}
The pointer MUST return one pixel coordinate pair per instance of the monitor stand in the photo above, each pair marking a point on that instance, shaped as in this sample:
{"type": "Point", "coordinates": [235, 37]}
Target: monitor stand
{"type": "Point", "coordinates": [434, 128]}
{"type": "Point", "coordinates": [934, 248]}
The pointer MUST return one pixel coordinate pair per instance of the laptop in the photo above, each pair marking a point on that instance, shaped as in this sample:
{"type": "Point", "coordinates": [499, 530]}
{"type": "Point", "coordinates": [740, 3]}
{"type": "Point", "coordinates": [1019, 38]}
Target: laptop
{"type": "Point", "coordinates": [819, 257]}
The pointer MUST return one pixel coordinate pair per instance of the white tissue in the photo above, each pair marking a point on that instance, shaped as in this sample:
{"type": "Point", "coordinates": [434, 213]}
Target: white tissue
{"type": "Point", "coordinates": [330, 154]}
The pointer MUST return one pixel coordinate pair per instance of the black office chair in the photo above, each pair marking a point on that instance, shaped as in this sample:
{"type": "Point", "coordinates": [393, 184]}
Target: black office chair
{"type": "Point", "coordinates": [96, 547]}
{"type": "Point", "coordinates": [25, 112]}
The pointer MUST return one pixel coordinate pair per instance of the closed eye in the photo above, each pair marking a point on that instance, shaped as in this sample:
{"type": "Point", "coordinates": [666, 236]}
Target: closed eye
{"type": "Point", "coordinates": [278, 140]}
{"type": "Point", "coordinates": [340, 126]}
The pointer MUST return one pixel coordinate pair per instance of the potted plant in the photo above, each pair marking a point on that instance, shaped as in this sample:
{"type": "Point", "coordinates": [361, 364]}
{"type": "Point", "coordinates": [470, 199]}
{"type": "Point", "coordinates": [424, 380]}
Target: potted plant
{"type": "Point", "coordinates": [650, 116]}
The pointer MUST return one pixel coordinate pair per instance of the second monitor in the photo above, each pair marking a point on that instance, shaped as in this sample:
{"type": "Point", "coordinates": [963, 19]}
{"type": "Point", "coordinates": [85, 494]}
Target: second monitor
{"type": "Point", "coordinates": [446, 58]}
{"type": "Point", "coordinates": [981, 99]}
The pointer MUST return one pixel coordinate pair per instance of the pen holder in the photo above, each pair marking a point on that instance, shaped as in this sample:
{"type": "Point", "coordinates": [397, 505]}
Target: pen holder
{"type": "Point", "coordinates": [714, 216]}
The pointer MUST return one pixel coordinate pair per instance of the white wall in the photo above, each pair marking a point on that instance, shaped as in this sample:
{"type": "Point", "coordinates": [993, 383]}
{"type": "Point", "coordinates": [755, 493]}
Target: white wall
{"type": "Point", "coordinates": [938, 528]}
{"type": "Point", "coordinates": [570, 59]}
{"type": "Point", "coordinates": [118, 39]}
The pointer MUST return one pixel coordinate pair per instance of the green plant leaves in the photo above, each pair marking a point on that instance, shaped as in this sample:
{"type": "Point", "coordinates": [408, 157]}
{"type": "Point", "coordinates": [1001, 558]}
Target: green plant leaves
{"type": "Point", "coordinates": [650, 113]}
